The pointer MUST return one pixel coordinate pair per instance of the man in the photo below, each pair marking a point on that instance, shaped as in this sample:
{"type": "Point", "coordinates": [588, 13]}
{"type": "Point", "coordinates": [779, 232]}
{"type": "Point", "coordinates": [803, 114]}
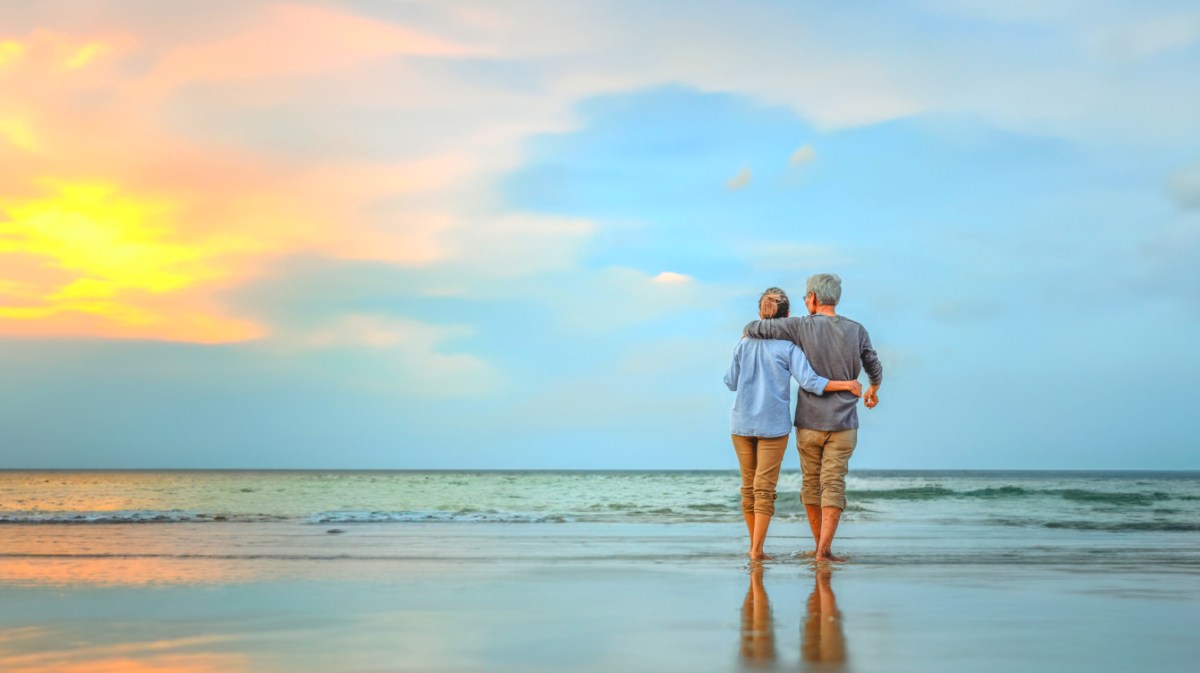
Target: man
{"type": "Point", "coordinates": [826, 426]}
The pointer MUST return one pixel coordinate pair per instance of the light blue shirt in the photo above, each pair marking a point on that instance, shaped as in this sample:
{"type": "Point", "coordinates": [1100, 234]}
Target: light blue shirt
{"type": "Point", "coordinates": [761, 373]}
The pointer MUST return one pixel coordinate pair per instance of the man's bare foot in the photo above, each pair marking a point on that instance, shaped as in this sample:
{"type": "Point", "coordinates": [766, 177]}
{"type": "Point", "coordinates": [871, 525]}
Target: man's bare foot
{"type": "Point", "coordinates": [828, 557]}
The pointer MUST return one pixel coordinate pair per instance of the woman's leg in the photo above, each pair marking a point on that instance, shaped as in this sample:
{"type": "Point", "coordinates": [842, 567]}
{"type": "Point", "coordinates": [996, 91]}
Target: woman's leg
{"type": "Point", "coordinates": [747, 455]}
{"type": "Point", "coordinates": [770, 458]}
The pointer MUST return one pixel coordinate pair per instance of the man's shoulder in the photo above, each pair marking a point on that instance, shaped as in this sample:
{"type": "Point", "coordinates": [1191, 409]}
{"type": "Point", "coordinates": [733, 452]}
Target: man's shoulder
{"type": "Point", "coordinates": [851, 322]}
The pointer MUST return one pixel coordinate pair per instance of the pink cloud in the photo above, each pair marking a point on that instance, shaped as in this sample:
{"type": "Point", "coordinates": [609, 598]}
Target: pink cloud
{"type": "Point", "coordinates": [87, 119]}
{"type": "Point", "coordinates": [292, 40]}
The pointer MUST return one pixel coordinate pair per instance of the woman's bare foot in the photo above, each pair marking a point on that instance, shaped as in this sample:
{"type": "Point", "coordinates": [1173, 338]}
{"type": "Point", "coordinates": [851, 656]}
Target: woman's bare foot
{"type": "Point", "coordinates": [760, 556]}
{"type": "Point", "coordinates": [828, 557]}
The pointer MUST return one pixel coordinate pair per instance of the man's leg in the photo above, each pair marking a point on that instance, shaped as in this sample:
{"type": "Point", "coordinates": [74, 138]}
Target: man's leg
{"type": "Point", "coordinates": [835, 462]}
{"type": "Point", "coordinates": [810, 444]}
{"type": "Point", "coordinates": [747, 455]}
{"type": "Point", "coordinates": [823, 640]}
{"type": "Point", "coordinates": [770, 457]}
{"type": "Point", "coordinates": [829, 524]}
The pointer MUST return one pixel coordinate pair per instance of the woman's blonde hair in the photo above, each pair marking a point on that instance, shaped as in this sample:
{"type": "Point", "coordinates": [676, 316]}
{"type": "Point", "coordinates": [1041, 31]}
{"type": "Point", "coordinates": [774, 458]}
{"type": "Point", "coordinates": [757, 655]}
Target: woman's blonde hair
{"type": "Point", "coordinates": [773, 304]}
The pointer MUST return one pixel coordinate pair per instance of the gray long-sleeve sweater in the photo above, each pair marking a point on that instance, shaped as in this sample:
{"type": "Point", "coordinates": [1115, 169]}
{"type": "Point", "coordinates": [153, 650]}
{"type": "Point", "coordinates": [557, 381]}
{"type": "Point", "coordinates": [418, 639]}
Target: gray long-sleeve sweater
{"type": "Point", "coordinates": [838, 349]}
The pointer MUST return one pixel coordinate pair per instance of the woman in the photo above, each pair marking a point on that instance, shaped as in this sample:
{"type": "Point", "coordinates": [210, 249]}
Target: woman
{"type": "Point", "coordinates": [761, 419]}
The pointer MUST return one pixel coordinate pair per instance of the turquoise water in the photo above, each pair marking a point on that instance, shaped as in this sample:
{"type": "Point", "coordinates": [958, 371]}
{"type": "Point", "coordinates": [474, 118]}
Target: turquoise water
{"type": "Point", "coordinates": [1101, 501]}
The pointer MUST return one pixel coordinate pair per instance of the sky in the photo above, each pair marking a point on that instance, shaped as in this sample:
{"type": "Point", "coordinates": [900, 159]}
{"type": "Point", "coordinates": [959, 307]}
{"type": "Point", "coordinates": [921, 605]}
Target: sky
{"type": "Point", "coordinates": [526, 235]}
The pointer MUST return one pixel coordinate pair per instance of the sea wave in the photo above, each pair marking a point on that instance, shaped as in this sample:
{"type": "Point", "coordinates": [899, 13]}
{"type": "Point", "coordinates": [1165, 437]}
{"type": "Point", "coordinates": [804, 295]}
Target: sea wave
{"type": "Point", "coordinates": [1132, 526]}
{"type": "Point", "coordinates": [1112, 526]}
{"type": "Point", "coordinates": [128, 516]}
{"type": "Point", "coordinates": [931, 492]}
{"type": "Point", "coordinates": [434, 516]}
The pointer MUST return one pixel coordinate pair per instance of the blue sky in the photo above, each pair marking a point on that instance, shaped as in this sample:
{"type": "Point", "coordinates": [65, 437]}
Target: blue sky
{"type": "Point", "coordinates": [466, 239]}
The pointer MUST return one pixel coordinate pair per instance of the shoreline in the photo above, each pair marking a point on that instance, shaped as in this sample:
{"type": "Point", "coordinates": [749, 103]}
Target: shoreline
{"type": "Point", "coordinates": [864, 472]}
{"type": "Point", "coordinates": [613, 601]}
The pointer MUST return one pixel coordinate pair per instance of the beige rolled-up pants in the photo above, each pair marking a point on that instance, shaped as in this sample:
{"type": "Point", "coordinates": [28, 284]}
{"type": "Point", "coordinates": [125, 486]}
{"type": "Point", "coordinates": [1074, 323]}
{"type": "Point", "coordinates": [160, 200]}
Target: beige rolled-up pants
{"type": "Point", "coordinates": [824, 460]}
{"type": "Point", "coordinates": [759, 459]}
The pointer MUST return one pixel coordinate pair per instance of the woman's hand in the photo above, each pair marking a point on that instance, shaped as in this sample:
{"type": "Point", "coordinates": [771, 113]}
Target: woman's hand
{"type": "Point", "coordinates": [852, 387]}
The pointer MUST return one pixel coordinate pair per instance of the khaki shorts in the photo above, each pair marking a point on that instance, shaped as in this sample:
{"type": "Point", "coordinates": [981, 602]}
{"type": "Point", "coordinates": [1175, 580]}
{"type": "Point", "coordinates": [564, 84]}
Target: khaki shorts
{"type": "Point", "coordinates": [759, 459]}
{"type": "Point", "coordinates": [824, 460]}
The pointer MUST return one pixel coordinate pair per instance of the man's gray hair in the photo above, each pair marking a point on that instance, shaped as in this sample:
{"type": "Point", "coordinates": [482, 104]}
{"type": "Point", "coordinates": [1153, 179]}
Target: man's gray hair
{"type": "Point", "coordinates": [827, 287]}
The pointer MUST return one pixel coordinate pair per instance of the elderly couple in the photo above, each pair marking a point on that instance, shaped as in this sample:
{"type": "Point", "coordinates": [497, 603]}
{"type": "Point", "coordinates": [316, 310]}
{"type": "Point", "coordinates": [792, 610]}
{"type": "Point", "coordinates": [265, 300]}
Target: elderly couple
{"type": "Point", "coordinates": [774, 350]}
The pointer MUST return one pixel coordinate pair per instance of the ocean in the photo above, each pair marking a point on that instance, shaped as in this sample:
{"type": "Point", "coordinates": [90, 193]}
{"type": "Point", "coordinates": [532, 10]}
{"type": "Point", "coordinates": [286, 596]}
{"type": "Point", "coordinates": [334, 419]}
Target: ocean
{"type": "Point", "coordinates": [1108, 501]}
{"type": "Point", "coordinates": [592, 571]}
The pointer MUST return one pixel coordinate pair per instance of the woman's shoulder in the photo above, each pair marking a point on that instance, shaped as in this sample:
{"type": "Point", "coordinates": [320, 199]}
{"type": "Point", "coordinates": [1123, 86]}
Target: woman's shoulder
{"type": "Point", "coordinates": [779, 348]}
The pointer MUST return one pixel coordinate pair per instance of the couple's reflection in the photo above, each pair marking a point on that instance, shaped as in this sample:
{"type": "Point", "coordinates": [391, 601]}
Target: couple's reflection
{"type": "Point", "coordinates": [758, 633]}
{"type": "Point", "coordinates": [822, 639]}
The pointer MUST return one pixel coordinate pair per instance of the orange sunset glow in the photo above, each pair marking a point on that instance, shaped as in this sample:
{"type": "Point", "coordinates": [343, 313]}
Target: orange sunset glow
{"type": "Point", "coordinates": [114, 224]}
{"type": "Point", "coordinates": [158, 656]}
{"type": "Point", "coordinates": [118, 572]}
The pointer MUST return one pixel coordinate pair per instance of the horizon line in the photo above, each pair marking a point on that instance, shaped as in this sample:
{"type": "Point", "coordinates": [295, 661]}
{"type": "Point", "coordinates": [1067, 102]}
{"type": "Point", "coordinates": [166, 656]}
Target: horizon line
{"type": "Point", "coordinates": [582, 470]}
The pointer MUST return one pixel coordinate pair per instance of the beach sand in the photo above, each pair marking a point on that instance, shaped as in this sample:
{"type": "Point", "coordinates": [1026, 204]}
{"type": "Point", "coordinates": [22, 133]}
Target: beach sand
{"type": "Point", "coordinates": [588, 597]}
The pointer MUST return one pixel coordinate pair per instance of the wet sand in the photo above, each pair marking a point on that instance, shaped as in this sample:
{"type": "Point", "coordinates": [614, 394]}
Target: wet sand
{"type": "Point", "coordinates": [534, 597]}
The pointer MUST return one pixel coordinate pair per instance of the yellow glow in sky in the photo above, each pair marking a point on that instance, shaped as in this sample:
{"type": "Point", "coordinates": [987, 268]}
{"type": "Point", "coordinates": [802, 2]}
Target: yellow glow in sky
{"type": "Point", "coordinates": [10, 50]}
{"type": "Point", "coordinates": [109, 240]}
{"type": "Point", "coordinates": [116, 253]}
{"type": "Point", "coordinates": [18, 133]}
{"type": "Point", "coordinates": [85, 54]}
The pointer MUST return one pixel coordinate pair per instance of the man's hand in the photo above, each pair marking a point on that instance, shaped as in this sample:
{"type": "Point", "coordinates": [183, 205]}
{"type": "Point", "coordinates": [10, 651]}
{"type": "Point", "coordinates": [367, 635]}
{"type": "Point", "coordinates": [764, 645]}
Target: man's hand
{"type": "Point", "coordinates": [871, 398]}
{"type": "Point", "coordinates": [856, 388]}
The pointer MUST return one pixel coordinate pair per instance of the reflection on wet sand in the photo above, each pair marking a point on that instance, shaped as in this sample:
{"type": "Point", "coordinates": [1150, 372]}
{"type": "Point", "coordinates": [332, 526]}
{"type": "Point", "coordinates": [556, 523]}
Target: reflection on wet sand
{"type": "Point", "coordinates": [758, 633]}
{"type": "Point", "coordinates": [110, 571]}
{"type": "Point", "coordinates": [36, 650]}
{"type": "Point", "coordinates": [823, 640]}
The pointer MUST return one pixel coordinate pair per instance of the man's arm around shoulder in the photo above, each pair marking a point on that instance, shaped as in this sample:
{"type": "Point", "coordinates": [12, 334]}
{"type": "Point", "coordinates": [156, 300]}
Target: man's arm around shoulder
{"type": "Point", "coordinates": [774, 328]}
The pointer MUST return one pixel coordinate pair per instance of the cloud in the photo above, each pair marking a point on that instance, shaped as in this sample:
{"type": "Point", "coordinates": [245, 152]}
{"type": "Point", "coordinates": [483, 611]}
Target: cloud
{"type": "Point", "coordinates": [739, 181]}
{"type": "Point", "coordinates": [268, 47]}
{"type": "Point", "coordinates": [672, 278]}
{"type": "Point", "coordinates": [10, 50]}
{"type": "Point", "coordinates": [18, 133]}
{"type": "Point", "coordinates": [619, 299]}
{"type": "Point", "coordinates": [386, 136]}
{"type": "Point", "coordinates": [1149, 37]}
{"type": "Point", "coordinates": [1184, 187]}
{"type": "Point", "coordinates": [383, 354]}
{"type": "Point", "coordinates": [516, 244]}
{"type": "Point", "coordinates": [804, 155]}
{"type": "Point", "coordinates": [146, 225]}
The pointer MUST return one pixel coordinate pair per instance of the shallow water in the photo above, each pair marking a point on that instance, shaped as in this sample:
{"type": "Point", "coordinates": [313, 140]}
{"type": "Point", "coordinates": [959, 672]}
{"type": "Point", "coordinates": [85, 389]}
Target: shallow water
{"type": "Point", "coordinates": [296, 571]}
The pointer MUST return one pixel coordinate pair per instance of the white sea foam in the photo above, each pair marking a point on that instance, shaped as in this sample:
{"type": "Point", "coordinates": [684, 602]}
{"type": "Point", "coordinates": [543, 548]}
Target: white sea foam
{"type": "Point", "coordinates": [125, 516]}
{"type": "Point", "coordinates": [434, 516]}
{"type": "Point", "coordinates": [122, 516]}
